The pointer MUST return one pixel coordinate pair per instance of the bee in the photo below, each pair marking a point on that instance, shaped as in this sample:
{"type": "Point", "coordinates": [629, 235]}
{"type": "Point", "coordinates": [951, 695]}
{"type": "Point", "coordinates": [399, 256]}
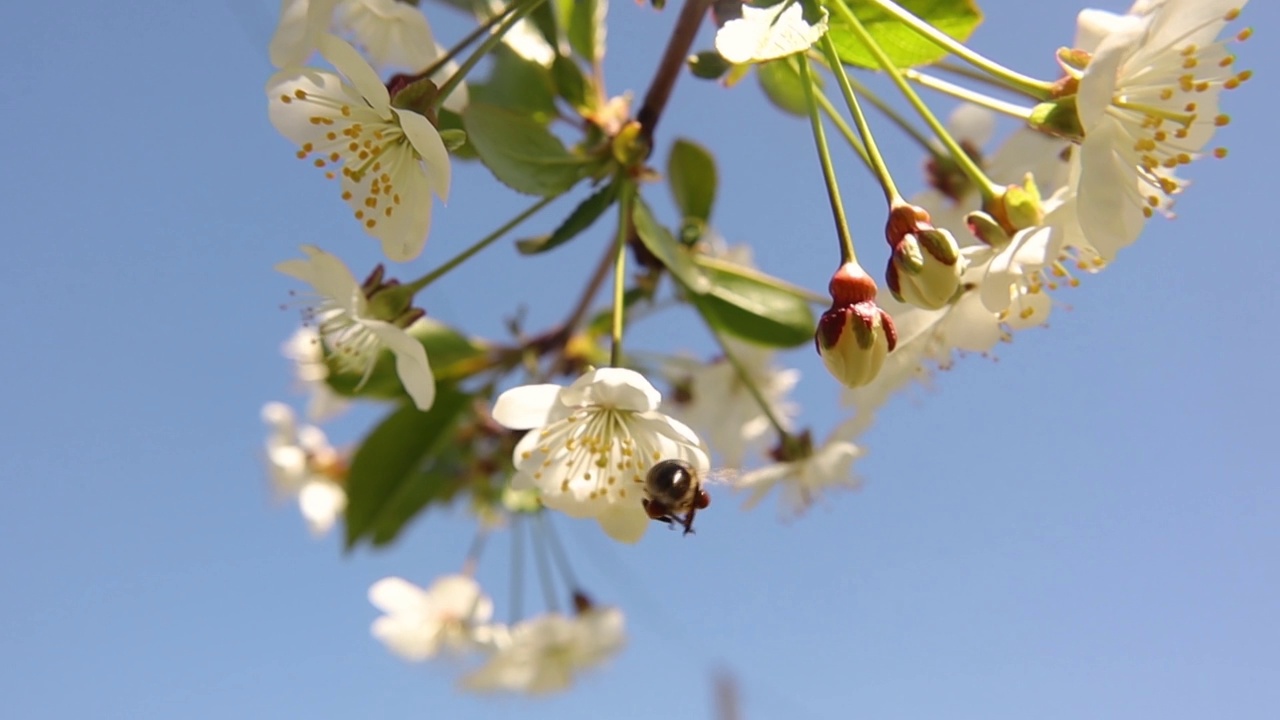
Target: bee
{"type": "Point", "coordinates": [674, 493]}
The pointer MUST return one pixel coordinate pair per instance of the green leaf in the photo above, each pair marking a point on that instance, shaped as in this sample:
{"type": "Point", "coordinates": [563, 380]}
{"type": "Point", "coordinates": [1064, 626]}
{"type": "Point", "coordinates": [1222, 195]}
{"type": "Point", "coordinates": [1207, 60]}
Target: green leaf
{"type": "Point", "coordinates": [587, 30]}
{"type": "Point", "coordinates": [780, 80]}
{"type": "Point", "coordinates": [582, 217]}
{"type": "Point", "coordinates": [754, 306]}
{"type": "Point", "coordinates": [708, 65]}
{"type": "Point", "coordinates": [674, 255]}
{"type": "Point", "coordinates": [570, 83]}
{"type": "Point", "coordinates": [521, 153]}
{"type": "Point", "coordinates": [398, 469]}
{"type": "Point", "coordinates": [520, 85]}
{"type": "Point", "coordinates": [904, 46]}
{"type": "Point", "coordinates": [451, 122]}
{"type": "Point", "coordinates": [691, 174]}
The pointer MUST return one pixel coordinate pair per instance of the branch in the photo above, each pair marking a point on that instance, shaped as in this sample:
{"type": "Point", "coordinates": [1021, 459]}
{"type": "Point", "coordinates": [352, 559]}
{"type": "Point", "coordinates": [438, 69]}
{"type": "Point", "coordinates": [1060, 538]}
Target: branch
{"type": "Point", "coordinates": [664, 78]}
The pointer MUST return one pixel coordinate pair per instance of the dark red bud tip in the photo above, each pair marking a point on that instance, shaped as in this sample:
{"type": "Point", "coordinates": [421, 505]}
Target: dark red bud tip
{"type": "Point", "coordinates": [398, 82]}
{"type": "Point", "coordinates": [905, 220]}
{"type": "Point", "coordinates": [890, 331]}
{"type": "Point", "coordinates": [891, 278]}
{"type": "Point", "coordinates": [851, 285]}
{"type": "Point", "coordinates": [581, 603]}
{"type": "Point", "coordinates": [830, 326]}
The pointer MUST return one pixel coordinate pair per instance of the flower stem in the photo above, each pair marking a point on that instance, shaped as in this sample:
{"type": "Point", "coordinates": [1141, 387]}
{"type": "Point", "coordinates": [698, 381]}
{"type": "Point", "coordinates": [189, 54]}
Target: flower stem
{"type": "Point", "coordinates": [544, 568]}
{"type": "Point", "coordinates": [470, 37]}
{"type": "Point", "coordinates": [847, 253]}
{"type": "Point", "coordinates": [878, 166]}
{"type": "Point", "coordinates": [473, 553]}
{"type": "Point", "coordinates": [749, 383]}
{"type": "Point", "coordinates": [971, 170]}
{"type": "Point", "coordinates": [517, 568]}
{"type": "Point", "coordinates": [1037, 89]}
{"type": "Point", "coordinates": [557, 552]}
{"type": "Point", "coordinates": [626, 201]}
{"type": "Point", "coordinates": [885, 109]}
{"type": "Point", "coordinates": [479, 245]}
{"type": "Point", "coordinates": [967, 95]}
{"type": "Point", "coordinates": [525, 8]}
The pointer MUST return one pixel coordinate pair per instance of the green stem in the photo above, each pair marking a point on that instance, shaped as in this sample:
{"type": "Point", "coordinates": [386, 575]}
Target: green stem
{"type": "Point", "coordinates": [525, 8]}
{"type": "Point", "coordinates": [971, 170]}
{"type": "Point", "coordinates": [470, 37]}
{"type": "Point", "coordinates": [885, 109]}
{"type": "Point", "coordinates": [557, 552]}
{"type": "Point", "coordinates": [967, 95]}
{"type": "Point", "coordinates": [847, 253]}
{"type": "Point", "coordinates": [843, 126]}
{"type": "Point", "coordinates": [878, 165]}
{"type": "Point", "coordinates": [479, 245]}
{"type": "Point", "coordinates": [749, 382]}
{"type": "Point", "coordinates": [1037, 89]}
{"type": "Point", "coordinates": [626, 201]}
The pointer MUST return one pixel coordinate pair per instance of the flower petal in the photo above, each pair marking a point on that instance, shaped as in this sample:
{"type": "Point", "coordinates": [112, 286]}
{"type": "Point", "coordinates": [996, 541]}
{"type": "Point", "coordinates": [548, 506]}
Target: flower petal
{"type": "Point", "coordinates": [625, 523]}
{"type": "Point", "coordinates": [613, 387]}
{"type": "Point", "coordinates": [527, 406]}
{"type": "Point", "coordinates": [1098, 84]}
{"type": "Point", "coordinates": [426, 141]}
{"type": "Point", "coordinates": [397, 595]}
{"type": "Point", "coordinates": [411, 362]}
{"type": "Point", "coordinates": [328, 275]}
{"type": "Point", "coordinates": [1108, 207]}
{"type": "Point", "coordinates": [347, 61]}
{"type": "Point", "coordinates": [321, 503]}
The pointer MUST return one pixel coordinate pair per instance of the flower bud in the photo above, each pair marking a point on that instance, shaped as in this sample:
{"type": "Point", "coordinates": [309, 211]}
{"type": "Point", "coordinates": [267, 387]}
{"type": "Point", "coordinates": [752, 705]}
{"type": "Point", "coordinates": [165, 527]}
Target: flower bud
{"type": "Point", "coordinates": [925, 268]}
{"type": "Point", "coordinates": [854, 335]}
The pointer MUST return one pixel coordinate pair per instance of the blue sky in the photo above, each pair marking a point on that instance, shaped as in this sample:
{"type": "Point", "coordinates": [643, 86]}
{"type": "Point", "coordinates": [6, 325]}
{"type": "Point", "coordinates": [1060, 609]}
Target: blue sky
{"type": "Point", "coordinates": [1086, 526]}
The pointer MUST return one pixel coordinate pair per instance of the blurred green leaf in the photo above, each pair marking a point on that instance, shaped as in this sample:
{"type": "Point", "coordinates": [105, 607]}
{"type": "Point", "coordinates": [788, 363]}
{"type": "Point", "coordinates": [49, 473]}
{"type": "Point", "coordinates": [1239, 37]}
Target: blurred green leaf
{"type": "Point", "coordinates": [957, 18]}
{"type": "Point", "coordinates": [401, 467]}
{"type": "Point", "coordinates": [521, 153]}
{"type": "Point", "coordinates": [691, 174]}
{"type": "Point", "coordinates": [571, 84]}
{"type": "Point", "coordinates": [587, 28]}
{"type": "Point", "coordinates": [582, 217]}
{"type": "Point", "coordinates": [751, 305]}
{"type": "Point", "coordinates": [673, 254]}
{"type": "Point", "coordinates": [519, 85]}
{"type": "Point", "coordinates": [708, 65]}
{"type": "Point", "coordinates": [780, 80]}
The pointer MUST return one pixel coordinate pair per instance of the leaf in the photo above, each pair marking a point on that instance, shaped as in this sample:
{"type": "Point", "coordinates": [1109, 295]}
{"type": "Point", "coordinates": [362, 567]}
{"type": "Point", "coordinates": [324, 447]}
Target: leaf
{"type": "Point", "coordinates": [582, 217]}
{"type": "Point", "coordinates": [753, 306]}
{"type": "Point", "coordinates": [520, 85]}
{"type": "Point", "coordinates": [780, 81]}
{"type": "Point", "coordinates": [708, 65]}
{"type": "Point", "coordinates": [675, 256]}
{"type": "Point", "coordinates": [521, 153]}
{"type": "Point", "coordinates": [570, 83]}
{"type": "Point", "coordinates": [587, 29]}
{"type": "Point", "coordinates": [904, 46]}
{"type": "Point", "coordinates": [391, 476]}
{"type": "Point", "coordinates": [449, 352]}
{"type": "Point", "coordinates": [691, 174]}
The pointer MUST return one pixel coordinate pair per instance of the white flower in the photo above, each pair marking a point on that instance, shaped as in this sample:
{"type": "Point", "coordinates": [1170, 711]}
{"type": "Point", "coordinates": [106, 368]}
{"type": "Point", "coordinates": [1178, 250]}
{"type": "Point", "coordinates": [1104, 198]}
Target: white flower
{"type": "Point", "coordinates": [352, 333]}
{"type": "Point", "coordinates": [392, 33]}
{"type": "Point", "coordinates": [812, 471]}
{"type": "Point", "coordinates": [523, 38]}
{"type": "Point", "coordinates": [307, 353]}
{"type": "Point", "coordinates": [542, 654]}
{"type": "Point", "coordinates": [1148, 104]}
{"type": "Point", "coordinates": [391, 160]}
{"type": "Point", "coordinates": [722, 409]}
{"type": "Point", "coordinates": [450, 616]}
{"type": "Point", "coordinates": [768, 33]}
{"type": "Point", "coordinates": [593, 444]}
{"type": "Point", "coordinates": [301, 463]}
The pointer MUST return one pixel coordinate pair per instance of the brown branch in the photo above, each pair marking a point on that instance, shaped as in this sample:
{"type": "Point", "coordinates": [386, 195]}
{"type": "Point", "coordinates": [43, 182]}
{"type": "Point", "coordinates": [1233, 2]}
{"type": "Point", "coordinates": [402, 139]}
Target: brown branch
{"type": "Point", "coordinates": [673, 58]}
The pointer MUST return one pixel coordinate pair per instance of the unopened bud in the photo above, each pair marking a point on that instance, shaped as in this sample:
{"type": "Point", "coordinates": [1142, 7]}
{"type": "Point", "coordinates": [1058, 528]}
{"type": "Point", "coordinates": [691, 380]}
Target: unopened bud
{"type": "Point", "coordinates": [854, 336]}
{"type": "Point", "coordinates": [925, 268]}
{"type": "Point", "coordinates": [987, 229]}
{"type": "Point", "coordinates": [1058, 118]}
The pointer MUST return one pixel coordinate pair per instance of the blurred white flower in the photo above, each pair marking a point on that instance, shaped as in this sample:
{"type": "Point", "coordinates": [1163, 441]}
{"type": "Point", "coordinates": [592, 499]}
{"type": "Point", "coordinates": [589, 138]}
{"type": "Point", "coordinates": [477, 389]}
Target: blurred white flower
{"type": "Point", "coordinates": [523, 38]}
{"type": "Point", "coordinates": [391, 160]}
{"type": "Point", "coordinates": [302, 464]}
{"type": "Point", "coordinates": [768, 33]}
{"type": "Point", "coordinates": [350, 330]}
{"type": "Point", "coordinates": [807, 472]}
{"type": "Point", "coordinates": [451, 616]}
{"type": "Point", "coordinates": [719, 405]}
{"type": "Point", "coordinates": [307, 353]}
{"type": "Point", "coordinates": [543, 654]}
{"type": "Point", "coordinates": [391, 33]}
{"type": "Point", "coordinates": [594, 442]}
{"type": "Point", "coordinates": [1148, 104]}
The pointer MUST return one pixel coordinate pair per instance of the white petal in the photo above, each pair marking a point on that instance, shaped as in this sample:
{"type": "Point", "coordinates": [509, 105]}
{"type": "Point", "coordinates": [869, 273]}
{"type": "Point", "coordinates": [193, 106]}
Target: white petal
{"type": "Point", "coordinates": [425, 139]}
{"type": "Point", "coordinates": [357, 71]}
{"type": "Point", "coordinates": [411, 362]}
{"type": "Point", "coordinates": [1108, 208]}
{"type": "Point", "coordinates": [328, 275]}
{"type": "Point", "coordinates": [625, 523]}
{"type": "Point", "coordinates": [393, 34]}
{"type": "Point", "coordinates": [526, 406]}
{"type": "Point", "coordinates": [1094, 25]}
{"type": "Point", "coordinates": [768, 33]}
{"type": "Point", "coordinates": [321, 504]}
{"type": "Point", "coordinates": [973, 124]}
{"type": "Point", "coordinates": [397, 595]}
{"type": "Point", "coordinates": [1098, 85]}
{"type": "Point", "coordinates": [290, 44]}
{"type": "Point", "coordinates": [613, 387]}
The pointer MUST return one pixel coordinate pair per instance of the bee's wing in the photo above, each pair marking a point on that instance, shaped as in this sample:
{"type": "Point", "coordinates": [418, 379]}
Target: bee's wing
{"type": "Point", "coordinates": [722, 476]}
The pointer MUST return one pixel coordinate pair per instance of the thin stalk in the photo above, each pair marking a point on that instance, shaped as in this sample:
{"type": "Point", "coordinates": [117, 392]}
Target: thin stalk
{"type": "Point", "coordinates": [544, 570]}
{"type": "Point", "coordinates": [524, 9]}
{"type": "Point", "coordinates": [878, 165]}
{"type": "Point", "coordinates": [625, 202]}
{"type": "Point", "coordinates": [967, 95]}
{"type": "Point", "coordinates": [847, 132]}
{"type": "Point", "coordinates": [474, 551]}
{"type": "Point", "coordinates": [517, 570]}
{"type": "Point", "coordinates": [469, 38]}
{"type": "Point", "coordinates": [1038, 89]}
{"type": "Point", "coordinates": [558, 554]}
{"type": "Point", "coordinates": [847, 253]}
{"type": "Point", "coordinates": [479, 245]}
{"type": "Point", "coordinates": [885, 109]}
{"type": "Point", "coordinates": [971, 170]}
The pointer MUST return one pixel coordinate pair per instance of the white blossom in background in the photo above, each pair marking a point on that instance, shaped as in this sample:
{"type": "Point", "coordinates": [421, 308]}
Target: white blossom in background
{"type": "Point", "coordinates": [392, 34]}
{"type": "Point", "coordinates": [307, 353]}
{"type": "Point", "coordinates": [763, 34]}
{"type": "Point", "coordinates": [451, 616]}
{"type": "Point", "coordinates": [1148, 104]}
{"type": "Point", "coordinates": [390, 160]}
{"type": "Point", "coordinates": [523, 38]}
{"type": "Point", "coordinates": [302, 464]}
{"type": "Point", "coordinates": [543, 654]}
{"type": "Point", "coordinates": [721, 408]}
{"type": "Point", "coordinates": [592, 444]}
{"type": "Point", "coordinates": [803, 479]}
{"type": "Point", "coordinates": [351, 332]}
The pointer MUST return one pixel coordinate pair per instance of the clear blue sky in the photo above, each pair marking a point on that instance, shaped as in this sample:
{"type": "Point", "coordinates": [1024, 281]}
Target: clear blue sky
{"type": "Point", "coordinates": [1087, 527]}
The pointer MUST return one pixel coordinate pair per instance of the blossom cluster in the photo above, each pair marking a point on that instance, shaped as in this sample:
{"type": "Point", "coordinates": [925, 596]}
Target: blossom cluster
{"type": "Point", "coordinates": [976, 257]}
